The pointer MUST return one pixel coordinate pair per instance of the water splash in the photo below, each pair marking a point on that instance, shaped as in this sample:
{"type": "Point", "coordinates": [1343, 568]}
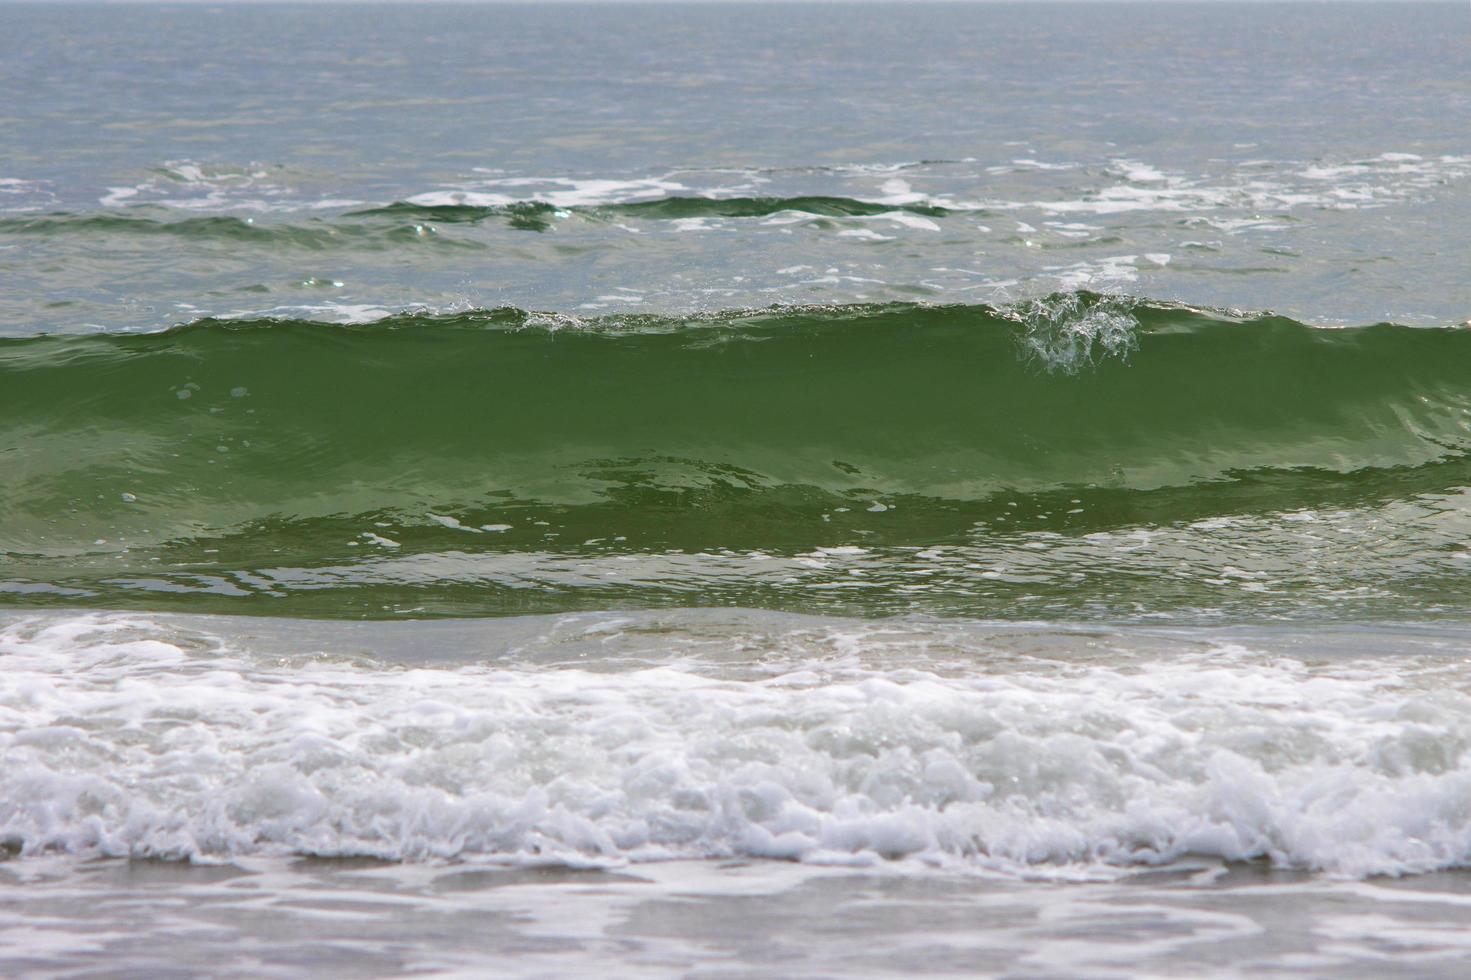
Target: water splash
{"type": "Point", "coordinates": [1067, 332]}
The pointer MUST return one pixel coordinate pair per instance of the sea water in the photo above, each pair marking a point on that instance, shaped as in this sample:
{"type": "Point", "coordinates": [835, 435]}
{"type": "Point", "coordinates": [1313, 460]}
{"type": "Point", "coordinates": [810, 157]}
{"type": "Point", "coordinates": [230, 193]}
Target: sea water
{"type": "Point", "coordinates": [735, 489]}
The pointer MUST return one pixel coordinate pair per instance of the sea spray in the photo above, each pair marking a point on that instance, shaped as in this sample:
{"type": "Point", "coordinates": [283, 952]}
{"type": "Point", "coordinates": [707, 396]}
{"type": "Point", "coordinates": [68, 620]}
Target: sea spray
{"type": "Point", "coordinates": [1066, 332]}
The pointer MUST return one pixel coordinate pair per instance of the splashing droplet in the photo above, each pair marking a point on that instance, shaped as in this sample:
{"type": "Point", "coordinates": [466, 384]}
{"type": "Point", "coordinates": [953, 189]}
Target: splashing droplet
{"type": "Point", "coordinates": [1067, 332]}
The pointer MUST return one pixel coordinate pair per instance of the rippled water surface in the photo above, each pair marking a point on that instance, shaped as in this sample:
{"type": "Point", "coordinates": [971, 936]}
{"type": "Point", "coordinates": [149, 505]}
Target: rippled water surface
{"type": "Point", "coordinates": [328, 163]}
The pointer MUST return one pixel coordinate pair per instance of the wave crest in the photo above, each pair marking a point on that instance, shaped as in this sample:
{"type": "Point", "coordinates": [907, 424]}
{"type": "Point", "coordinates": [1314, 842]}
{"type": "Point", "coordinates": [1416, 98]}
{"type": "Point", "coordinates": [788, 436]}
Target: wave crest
{"type": "Point", "coordinates": [1069, 331]}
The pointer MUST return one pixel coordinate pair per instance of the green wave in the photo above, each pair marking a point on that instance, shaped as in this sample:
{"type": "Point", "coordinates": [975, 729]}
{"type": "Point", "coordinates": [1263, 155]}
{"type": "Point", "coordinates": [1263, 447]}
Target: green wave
{"type": "Point", "coordinates": [536, 215]}
{"type": "Point", "coordinates": [272, 444]}
{"type": "Point", "coordinates": [525, 215]}
{"type": "Point", "coordinates": [367, 227]}
{"type": "Point", "coordinates": [316, 235]}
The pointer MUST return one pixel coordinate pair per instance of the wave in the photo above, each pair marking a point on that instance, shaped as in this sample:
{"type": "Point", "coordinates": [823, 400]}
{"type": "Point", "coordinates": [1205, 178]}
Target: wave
{"type": "Point", "coordinates": [315, 235]}
{"type": "Point", "coordinates": [665, 208]}
{"type": "Point", "coordinates": [1025, 756]}
{"type": "Point", "coordinates": [357, 226]}
{"type": "Point", "coordinates": [516, 438]}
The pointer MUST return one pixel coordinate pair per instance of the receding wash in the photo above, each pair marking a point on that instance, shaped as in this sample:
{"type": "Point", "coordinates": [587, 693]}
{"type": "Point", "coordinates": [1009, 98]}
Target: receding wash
{"type": "Point", "coordinates": [718, 489]}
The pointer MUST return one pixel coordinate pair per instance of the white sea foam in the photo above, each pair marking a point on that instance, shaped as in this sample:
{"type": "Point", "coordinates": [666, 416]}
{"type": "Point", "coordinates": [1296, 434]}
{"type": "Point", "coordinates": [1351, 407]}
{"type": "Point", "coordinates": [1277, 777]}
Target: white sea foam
{"type": "Point", "coordinates": [570, 192]}
{"type": "Point", "coordinates": [1139, 173]}
{"type": "Point", "coordinates": [345, 313]}
{"type": "Point", "coordinates": [1104, 273]}
{"type": "Point", "coordinates": [1137, 186]}
{"type": "Point", "coordinates": [562, 192]}
{"type": "Point", "coordinates": [192, 186]}
{"type": "Point", "coordinates": [1260, 185]}
{"type": "Point", "coordinates": [1032, 164]}
{"type": "Point", "coordinates": [18, 194]}
{"type": "Point", "coordinates": [907, 220]}
{"type": "Point", "coordinates": [125, 736]}
{"type": "Point", "coordinates": [16, 185]}
{"type": "Point", "coordinates": [1130, 186]}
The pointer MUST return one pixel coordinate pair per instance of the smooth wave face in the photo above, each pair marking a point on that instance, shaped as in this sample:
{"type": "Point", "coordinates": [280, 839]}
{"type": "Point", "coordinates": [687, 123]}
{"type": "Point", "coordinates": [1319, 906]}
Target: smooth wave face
{"type": "Point", "coordinates": [1074, 455]}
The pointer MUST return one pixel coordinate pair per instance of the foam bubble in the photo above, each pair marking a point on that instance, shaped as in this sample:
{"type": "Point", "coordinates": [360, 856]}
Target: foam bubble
{"type": "Point", "coordinates": [1262, 185]}
{"type": "Point", "coordinates": [126, 736]}
{"type": "Point", "coordinates": [193, 186]}
{"type": "Point", "coordinates": [19, 195]}
{"type": "Point", "coordinates": [561, 192]}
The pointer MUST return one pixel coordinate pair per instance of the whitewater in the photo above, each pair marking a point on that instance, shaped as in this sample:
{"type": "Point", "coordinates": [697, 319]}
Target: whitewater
{"type": "Point", "coordinates": [843, 742]}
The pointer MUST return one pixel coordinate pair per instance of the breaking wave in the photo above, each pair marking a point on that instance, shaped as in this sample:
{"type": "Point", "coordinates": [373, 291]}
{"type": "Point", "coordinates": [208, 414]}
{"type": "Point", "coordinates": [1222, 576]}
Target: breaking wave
{"type": "Point", "coordinates": [834, 745]}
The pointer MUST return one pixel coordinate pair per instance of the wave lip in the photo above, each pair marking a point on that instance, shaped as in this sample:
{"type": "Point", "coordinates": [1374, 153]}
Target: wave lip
{"type": "Point", "coordinates": [537, 215]}
{"type": "Point", "coordinates": [358, 227]}
{"type": "Point", "coordinates": [152, 742]}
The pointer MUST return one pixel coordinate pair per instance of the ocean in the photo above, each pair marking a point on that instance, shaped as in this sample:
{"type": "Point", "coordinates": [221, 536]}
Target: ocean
{"type": "Point", "coordinates": [735, 490]}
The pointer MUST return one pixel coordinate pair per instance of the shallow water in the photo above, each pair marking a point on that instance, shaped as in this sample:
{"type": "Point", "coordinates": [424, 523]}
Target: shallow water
{"type": "Point", "coordinates": [279, 918]}
{"type": "Point", "coordinates": [735, 490]}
